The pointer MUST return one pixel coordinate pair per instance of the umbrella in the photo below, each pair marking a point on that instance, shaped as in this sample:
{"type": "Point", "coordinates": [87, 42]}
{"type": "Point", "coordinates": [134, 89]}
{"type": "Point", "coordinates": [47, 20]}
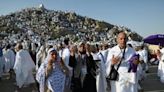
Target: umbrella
{"type": "Point", "coordinates": [157, 39]}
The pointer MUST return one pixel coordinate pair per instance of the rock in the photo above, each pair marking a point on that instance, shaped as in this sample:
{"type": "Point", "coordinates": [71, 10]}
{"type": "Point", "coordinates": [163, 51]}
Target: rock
{"type": "Point", "coordinates": [51, 24]}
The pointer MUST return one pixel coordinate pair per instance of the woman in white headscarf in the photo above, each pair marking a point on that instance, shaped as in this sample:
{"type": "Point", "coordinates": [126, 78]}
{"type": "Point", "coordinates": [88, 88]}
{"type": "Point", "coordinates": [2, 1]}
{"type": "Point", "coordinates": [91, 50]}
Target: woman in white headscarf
{"type": "Point", "coordinates": [50, 75]}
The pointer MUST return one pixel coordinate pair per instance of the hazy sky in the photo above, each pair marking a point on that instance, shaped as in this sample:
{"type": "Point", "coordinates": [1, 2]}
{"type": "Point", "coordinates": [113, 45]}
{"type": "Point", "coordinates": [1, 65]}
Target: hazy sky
{"type": "Point", "coordinates": [145, 17]}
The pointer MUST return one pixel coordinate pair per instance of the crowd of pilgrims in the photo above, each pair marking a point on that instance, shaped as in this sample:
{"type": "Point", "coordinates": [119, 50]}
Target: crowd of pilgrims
{"type": "Point", "coordinates": [69, 67]}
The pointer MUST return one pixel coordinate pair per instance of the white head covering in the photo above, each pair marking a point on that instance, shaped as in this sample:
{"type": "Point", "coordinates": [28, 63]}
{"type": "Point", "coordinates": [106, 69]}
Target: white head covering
{"type": "Point", "coordinates": [40, 76]}
{"type": "Point", "coordinates": [51, 50]}
{"type": "Point", "coordinates": [48, 54]}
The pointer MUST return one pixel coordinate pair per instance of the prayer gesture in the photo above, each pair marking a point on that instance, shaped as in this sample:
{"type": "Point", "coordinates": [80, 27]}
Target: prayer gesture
{"type": "Point", "coordinates": [50, 61]}
{"type": "Point", "coordinates": [115, 60]}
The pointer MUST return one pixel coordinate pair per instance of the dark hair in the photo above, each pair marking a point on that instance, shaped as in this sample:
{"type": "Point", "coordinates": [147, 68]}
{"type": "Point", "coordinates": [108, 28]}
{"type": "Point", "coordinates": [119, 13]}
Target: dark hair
{"type": "Point", "coordinates": [66, 41]}
{"type": "Point", "coordinates": [8, 46]}
{"type": "Point", "coordinates": [19, 46]}
{"type": "Point", "coordinates": [130, 45]}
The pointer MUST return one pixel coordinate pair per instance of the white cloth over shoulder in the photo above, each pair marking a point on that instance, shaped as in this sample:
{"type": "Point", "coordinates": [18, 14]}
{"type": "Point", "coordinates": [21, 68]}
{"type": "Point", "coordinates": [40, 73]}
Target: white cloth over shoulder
{"type": "Point", "coordinates": [24, 66]}
{"type": "Point", "coordinates": [101, 83]}
{"type": "Point", "coordinates": [9, 56]}
{"type": "Point", "coordinates": [161, 67]}
{"type": "Point", "coordinates": [127, 81]}
{"type": "Point", "coordinates": [65, 57]}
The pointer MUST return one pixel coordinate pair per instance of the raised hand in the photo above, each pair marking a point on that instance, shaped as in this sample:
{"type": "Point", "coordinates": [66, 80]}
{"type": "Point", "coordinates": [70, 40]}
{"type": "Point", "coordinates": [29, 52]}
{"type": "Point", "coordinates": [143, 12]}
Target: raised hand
{"type": "Point", "coordinates": [115, 60]}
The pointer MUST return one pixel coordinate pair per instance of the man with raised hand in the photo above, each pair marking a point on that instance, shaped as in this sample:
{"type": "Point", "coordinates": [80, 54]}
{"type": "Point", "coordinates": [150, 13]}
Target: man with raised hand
{"type": "Point", "coordinates": [121, 53]}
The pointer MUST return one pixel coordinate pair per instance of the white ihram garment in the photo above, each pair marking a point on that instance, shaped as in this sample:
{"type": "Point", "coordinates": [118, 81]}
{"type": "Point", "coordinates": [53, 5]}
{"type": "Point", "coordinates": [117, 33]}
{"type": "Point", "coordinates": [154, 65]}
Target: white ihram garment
{"type": "Point", "coordinates": [127, 81]}
{"type": "Point", "coordinates": [23, 68]}
{"type": "Point", "coordinates": [65, 57]}
{"type": "Point", "coordinates": [10, 60]}
{"type": "Point", "coordinates": [101, 83]}
{"type": "Point", "coordinates": [161, 67]}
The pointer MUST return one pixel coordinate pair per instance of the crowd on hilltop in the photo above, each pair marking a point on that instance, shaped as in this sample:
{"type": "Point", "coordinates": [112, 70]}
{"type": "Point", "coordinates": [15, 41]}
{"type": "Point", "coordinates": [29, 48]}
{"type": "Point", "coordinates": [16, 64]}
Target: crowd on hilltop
{"type": "Point", "coordinates": [65, 66]}
{"type": "Point", "coordinates": [51, 24]}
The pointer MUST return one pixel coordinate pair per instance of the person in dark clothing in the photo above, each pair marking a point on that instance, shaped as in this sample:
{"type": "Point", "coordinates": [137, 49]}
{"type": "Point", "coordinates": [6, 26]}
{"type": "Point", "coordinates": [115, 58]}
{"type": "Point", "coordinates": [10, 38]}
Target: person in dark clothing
{"type": "Point", "coordinates": [75, 81]}
{"type": "Point", "coordinates": [72, 59]}
{"type": "Point", "coordinates": [89, 83]}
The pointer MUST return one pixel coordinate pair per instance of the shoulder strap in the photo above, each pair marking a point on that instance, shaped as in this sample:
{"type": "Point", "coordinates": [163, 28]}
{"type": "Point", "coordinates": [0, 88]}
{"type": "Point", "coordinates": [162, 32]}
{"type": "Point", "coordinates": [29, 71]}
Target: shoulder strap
{"type": "Point", "coordinates": [102, 57]}
{"type": "Point", "coordinates": [121, 59]}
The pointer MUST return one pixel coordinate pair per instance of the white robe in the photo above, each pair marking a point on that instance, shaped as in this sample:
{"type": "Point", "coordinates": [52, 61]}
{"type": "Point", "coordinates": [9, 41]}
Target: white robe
{"type": "Point", "coordinates": [2, 62]}
{"type": "Point", "coordinates": [40, 56]}
{"type": "Point", "coordinates": [161, 68]}
{"type": "Point", "coordinates": [9, 56]}
{"type": "Point", "coordinates": [142, 67]}
{"type": "Point", "coordinates": [101, 83]}
{"type": "Point", "coordinates": [127, 81]}
{"type": "Point", "coordinates": [105, 54]}
{"type": "Point", "coordinates": [24, 65]}
{"type": "Point", "coordinates": [65, 57]}
{"type": "Point", "coordinates": [145, 58]}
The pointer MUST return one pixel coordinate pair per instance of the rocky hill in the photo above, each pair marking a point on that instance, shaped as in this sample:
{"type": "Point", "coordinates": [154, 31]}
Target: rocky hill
{"type": "Point", "coordinates": [54, 24]}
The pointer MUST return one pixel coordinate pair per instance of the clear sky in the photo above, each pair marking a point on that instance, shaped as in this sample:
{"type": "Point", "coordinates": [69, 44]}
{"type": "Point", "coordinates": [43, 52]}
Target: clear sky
{"type": "Point", "coordinates": [145, 17]}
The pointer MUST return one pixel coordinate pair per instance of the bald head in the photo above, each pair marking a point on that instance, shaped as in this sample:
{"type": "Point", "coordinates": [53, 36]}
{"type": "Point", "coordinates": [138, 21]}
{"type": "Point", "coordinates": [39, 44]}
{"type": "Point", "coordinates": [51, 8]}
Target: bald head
{"type": "Point", "coordinates": [122, 39]}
